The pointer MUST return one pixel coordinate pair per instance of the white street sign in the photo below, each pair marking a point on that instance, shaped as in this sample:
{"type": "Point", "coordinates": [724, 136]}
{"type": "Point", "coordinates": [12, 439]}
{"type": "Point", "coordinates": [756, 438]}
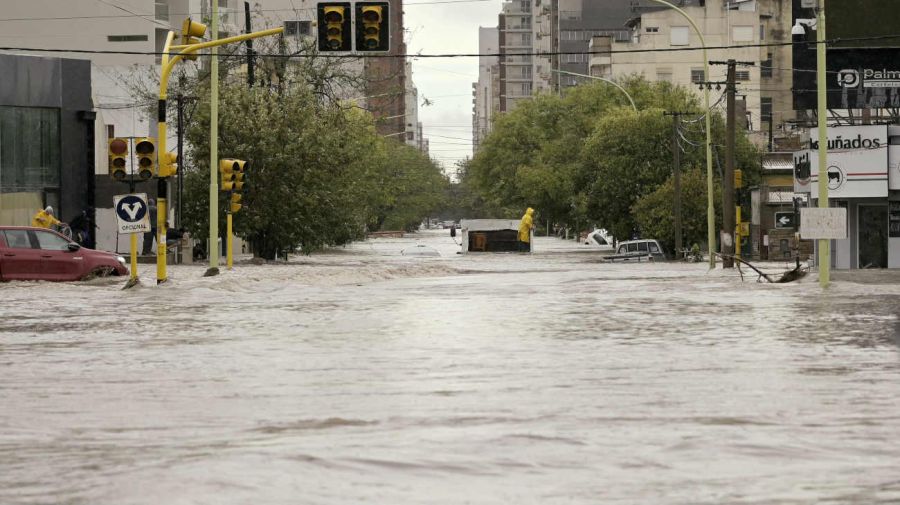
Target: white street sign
{"type": "Point", "coordinates": [132, 214]}
{"type": "Point", "coordinates": [829, 223]}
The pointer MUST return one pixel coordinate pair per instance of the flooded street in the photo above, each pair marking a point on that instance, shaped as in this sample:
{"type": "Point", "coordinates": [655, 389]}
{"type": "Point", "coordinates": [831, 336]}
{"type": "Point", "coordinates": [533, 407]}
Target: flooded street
{"type": "Point", "coordinates": [364, 376]}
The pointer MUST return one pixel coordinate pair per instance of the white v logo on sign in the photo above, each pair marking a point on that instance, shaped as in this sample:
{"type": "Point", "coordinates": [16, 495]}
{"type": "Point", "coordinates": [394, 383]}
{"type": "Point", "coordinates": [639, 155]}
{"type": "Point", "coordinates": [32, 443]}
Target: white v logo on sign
{"type": "Point", "coordinates": [132, 209]}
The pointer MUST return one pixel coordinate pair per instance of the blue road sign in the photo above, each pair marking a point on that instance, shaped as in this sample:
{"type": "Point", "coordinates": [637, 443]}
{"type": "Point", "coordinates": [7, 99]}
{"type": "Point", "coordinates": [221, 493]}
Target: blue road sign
{"type": "Point", "coordinates": [131, 213]}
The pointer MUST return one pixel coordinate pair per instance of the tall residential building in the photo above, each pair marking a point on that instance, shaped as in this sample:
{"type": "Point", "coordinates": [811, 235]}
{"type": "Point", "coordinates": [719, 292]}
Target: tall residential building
{"type": "Point", "coordinates": [413, 132]}
{"type": "Point", "coordinates": [736, 24]}
{"type": "Point", "coordinates": [485, 92]}
{"type": "Point", "coordinates": [566, 27]}
{"type": "Point", "coordinates": [515, 37]}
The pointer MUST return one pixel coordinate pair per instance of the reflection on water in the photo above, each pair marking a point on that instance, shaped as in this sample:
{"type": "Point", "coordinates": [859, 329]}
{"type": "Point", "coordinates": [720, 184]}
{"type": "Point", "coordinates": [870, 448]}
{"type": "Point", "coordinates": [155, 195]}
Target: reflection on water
{"type": "Point", "coordinates": [363, 375]}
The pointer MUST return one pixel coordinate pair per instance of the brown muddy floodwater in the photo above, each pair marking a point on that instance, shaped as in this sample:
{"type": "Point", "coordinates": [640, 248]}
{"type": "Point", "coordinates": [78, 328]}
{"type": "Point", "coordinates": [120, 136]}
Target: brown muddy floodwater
{"type": "Point", "coordinates": [364, 376]}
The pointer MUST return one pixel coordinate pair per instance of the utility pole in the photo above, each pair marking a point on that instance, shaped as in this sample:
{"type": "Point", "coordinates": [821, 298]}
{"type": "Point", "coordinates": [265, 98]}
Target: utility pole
{"type": "Point", "coordinates": [728, 228]}
{"type": "Point", "coordinates": [676, 171]}
{"type": "Point", "coordinates": [250, 55]}
{"type": "Point", "coordinates": [179, 102]}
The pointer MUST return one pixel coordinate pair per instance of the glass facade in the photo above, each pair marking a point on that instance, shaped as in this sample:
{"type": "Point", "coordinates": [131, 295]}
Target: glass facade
{"type": "Point", "coordinates": [29, 149]}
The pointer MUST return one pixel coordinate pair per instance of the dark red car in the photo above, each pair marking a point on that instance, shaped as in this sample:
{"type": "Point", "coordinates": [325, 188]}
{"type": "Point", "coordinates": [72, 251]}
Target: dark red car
{"type": "Point", "coordinates": [28, 253]}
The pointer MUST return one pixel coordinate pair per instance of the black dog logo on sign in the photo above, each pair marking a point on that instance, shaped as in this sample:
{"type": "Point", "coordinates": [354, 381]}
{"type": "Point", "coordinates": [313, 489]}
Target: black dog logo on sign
{"type": "Point", "coordinates": [835, 177]}
{"type": "Point", "coordinates": [802, 168]}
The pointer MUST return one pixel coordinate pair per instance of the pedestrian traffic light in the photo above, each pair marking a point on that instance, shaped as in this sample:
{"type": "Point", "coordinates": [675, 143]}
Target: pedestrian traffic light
{"type": "Point", "coordinates": [334, 26]}
{"type": "Point", "coordinates": [372, 32]}
{"type": "Point", "coordinates": [118, 158]}
{"type": "Point", "coordinates": [168, 165]}
{"type": "Point", "coordinates": [191, 33]}
{"type": "Point", "coordinates": [145, 150]}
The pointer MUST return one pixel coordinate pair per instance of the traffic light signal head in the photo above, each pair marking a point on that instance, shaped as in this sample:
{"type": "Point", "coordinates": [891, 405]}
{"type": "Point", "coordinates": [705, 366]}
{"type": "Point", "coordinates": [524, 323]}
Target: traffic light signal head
{"type": "Point", "coordinates": [334, 26]}
{"type": "Point", "coordinates": [118, 158]}
{"type": "Point", "coordinates": [145, 150]}
{"type": "Point", "coordinates": [168, 165]}
{"type": "Point", "coordinates": [228, 168]}
{"type": "Point", "coordinates": [372, 26]}
{"type": "Point", "coordinates": [191, 33]}
{"type": "Point", "coordinates": [235, 204]}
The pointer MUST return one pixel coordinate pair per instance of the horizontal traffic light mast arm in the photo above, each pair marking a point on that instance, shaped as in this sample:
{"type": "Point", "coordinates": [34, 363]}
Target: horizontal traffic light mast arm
{"type": "Point", "coordinates": [192, 48]}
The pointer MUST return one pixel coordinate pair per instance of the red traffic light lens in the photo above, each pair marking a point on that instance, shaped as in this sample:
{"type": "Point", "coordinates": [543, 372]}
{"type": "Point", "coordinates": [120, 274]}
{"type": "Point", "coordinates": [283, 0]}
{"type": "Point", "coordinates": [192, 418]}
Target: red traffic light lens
{"type": "Point", "coordinates": [118, 147]}
{"type": "Point", "coordinates": [333, 17]}
{"type": "Point", "coordinates": [371, 16]}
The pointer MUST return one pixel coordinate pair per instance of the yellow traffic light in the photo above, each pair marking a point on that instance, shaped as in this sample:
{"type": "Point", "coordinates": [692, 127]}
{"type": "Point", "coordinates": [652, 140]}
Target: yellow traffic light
{"type": "Point", "coordinates": [228, 169]}
{"type": "Point", "coordinates": [168, 165]}
{"type": "Point", "coordinates": [372, 26]}
{"type": "Point", "coordinates": [145, 150]}
{"type": "Point", "coordinates": [118, 158]}
{"type": "Point", "coordinates": [334, 26]}
{"type": "Point", "coordinates": [191, 33]}
{"type": "Point", "coordinates": [235, 203]}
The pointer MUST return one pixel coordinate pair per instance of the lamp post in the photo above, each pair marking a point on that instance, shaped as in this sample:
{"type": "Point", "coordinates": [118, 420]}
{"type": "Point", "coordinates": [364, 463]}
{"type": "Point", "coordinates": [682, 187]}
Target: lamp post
{"type": "Point", "coordinates": [824, 259]}
{"type": "Point", "coordinates": [710, 211]}
{"type": "Point", "coordinates": [614, 83]}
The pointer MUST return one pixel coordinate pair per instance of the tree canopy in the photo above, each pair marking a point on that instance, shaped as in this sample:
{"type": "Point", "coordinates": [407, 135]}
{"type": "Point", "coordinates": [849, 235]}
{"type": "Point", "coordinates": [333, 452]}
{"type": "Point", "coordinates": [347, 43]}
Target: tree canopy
{"type": "Point", "coordinates": [589, 157]}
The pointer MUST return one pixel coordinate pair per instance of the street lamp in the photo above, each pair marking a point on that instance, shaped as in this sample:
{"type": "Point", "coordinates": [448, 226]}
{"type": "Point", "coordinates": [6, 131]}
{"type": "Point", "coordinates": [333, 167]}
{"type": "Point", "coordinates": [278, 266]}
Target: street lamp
{"type": "Point", "coordinates": [614, 83]}
{"type": "Point", "coordinates": [800, 30]}
{"type": "Point", "coordinates": [710, 211]}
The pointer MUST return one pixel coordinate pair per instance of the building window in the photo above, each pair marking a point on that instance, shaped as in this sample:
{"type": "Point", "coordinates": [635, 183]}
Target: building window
{"type": "Point", "coordinates": [410, 135]}
{"type": "Point", "coordinates": [126, 38]}
{"type": "Point", "coordinates": [765, 67]}
{"type": "Point", "coordinates": [762, 32]}
{"type": "Point", "coordinates": [765, 108]}
{"type": "Point", "coordinates": [678, 36]}
{"type": "Point", "coordinates": [110, 131]}
{"type": "Point", "coordinates": [29, 149]}
{"type": "Point", "coordinates": [652, 29]}
{"type": "Point", "coordinates": [742, 75]}
{"type": "Point", "coordinates": [297, 28]}
{"type": "Point", "coordinates": [664, 75]}
{"type": "Point", "coordinates": [742, 34]}
{"type": "Point", "coordinates": [696, 75]}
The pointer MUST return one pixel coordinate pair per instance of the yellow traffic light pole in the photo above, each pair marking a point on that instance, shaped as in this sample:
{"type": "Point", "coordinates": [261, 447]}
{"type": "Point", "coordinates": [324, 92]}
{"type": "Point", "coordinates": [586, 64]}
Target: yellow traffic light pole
{"type": "Point", "coordinates": [164, 162]}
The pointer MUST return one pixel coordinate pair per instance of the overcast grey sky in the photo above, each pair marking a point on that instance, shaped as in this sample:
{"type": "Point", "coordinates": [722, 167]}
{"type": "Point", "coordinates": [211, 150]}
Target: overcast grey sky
{"type": "Point", "coordinates": [434, 28]}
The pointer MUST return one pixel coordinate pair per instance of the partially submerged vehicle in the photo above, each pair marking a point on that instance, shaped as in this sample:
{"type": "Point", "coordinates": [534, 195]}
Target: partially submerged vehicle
{"type": "Point", "coordinates": [637, 251]}
{"type": "Point", "coordinates": [599, 239]}
{"type": "Point", "coordinates": [491, 235]}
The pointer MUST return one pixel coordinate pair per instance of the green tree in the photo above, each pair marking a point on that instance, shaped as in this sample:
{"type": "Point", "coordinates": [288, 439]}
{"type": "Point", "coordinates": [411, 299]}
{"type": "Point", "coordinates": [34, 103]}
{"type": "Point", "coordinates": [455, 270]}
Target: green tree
{"type": "Point", "coordinates": [655, 216]}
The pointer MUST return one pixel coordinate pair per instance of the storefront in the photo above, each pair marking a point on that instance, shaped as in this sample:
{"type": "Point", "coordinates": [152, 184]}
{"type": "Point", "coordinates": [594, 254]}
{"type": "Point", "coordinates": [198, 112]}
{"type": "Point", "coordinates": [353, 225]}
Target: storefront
{"type": "Point", "coordinates": [46, 138]}
{"type": "Point", "coordinates": [863, 177]}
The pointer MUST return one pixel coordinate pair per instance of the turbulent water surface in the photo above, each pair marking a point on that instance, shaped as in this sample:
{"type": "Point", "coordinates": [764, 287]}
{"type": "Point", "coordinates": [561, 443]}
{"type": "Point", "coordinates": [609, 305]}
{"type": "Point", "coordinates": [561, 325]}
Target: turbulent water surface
{"type": "Point", "coordinates": [365, 376]}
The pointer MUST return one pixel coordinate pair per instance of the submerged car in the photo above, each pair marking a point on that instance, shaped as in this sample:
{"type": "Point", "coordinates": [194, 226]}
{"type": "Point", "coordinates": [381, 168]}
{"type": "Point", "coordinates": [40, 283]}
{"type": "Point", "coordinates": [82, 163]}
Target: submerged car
{"type": "Point", "coordinates": [38, 254]}
{"type": "Point", "coordinates": [638, 250]}
{"type": "Point", "coordinates": [599, 239]}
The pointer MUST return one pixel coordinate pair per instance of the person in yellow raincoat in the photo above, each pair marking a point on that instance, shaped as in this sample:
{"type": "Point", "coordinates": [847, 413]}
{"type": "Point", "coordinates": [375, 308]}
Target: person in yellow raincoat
{"type": "Point", "coordinates": [44, 218]}
{"type": "Point", "coordinates": [525, 230]}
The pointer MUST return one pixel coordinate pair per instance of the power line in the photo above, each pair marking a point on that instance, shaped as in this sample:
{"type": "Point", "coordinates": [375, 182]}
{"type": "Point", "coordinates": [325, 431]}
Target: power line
{"type": "Point", "coordinates": [466, 55]}
{"type": "Point", "coordinates": [152, 15]}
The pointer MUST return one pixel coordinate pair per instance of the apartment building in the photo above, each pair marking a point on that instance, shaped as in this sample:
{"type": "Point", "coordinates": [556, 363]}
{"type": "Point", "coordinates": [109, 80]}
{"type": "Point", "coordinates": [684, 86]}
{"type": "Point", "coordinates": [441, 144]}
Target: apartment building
{"type": "Point", "coordinates": [485, 92]}
{"type": "Point", "coordinates": [733, 23]}
{"type": "Point", "coordinates": [515, 44]}
{"type": "Point", "coordinates": [567, 27]}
